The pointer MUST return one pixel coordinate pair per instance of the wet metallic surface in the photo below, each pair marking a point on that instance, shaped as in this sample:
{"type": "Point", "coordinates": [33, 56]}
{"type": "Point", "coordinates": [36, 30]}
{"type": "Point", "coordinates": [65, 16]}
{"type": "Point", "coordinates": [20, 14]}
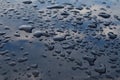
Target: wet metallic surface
{"type": "Point", "coordinates": [68, 40]}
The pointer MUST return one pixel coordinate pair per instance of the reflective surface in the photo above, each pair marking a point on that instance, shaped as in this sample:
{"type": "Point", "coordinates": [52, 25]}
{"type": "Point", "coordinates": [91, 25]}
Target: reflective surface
{"type": "Point", "coordinates": [59, 40]}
